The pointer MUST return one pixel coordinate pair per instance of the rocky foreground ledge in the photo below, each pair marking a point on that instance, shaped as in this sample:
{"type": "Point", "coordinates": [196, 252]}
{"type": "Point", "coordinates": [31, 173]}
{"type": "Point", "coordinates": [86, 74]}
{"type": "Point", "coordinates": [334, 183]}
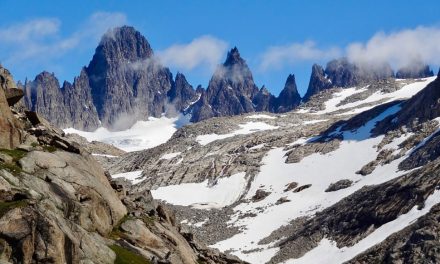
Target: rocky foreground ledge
{"type": "Point", "coordinates": [58, 205]}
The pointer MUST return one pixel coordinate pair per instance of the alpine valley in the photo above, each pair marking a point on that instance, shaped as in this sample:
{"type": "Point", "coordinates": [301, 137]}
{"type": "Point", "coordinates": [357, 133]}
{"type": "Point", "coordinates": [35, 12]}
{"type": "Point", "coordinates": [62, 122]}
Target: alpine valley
{"type": "Point", "coordinates": [131, 163]}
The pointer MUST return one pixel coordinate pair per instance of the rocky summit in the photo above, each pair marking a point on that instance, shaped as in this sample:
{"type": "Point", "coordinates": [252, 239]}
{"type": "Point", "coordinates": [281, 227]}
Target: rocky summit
{"type": "Point", "coordinates": [232, 91]}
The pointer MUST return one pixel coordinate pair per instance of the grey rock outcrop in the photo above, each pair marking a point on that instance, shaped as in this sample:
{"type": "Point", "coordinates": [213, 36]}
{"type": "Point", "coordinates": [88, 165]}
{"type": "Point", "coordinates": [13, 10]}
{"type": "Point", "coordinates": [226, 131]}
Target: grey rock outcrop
{"type": "Point", "coordinates": [318, 82]}
{"type": "Point", "coordinates": [343, 73]}
{"type": "Point", "coordinates": [68, 106]}
{"type": "Point", "coordinates": [44, 96]}
{"type": "Point", "coordinates": [79, 105]}
{"type": "Point", "coordinates": [182, 95]}
{"type": "Point", "coordinates": [264, 101]}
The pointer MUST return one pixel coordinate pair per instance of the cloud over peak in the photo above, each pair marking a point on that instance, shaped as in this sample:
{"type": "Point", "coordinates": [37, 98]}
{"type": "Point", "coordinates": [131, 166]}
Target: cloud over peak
{"type": "Point", "coordinates": [399, 48]}
{"type": "Point", "coordinates": [280, 56]}
{"type": "Point", "coordinates": [202, 51]}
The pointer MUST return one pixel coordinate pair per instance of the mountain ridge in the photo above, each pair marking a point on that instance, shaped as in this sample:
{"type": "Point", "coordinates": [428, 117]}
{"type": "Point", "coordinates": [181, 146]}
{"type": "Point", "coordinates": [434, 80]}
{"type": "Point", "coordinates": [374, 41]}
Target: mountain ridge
{"type": "Point", "coordinates": [125, 83]}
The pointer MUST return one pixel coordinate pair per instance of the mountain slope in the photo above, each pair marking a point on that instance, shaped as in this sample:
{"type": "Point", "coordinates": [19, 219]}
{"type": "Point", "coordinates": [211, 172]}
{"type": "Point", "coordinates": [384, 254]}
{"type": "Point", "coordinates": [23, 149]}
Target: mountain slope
{"type": "Point", "coordinates": [287, 188]}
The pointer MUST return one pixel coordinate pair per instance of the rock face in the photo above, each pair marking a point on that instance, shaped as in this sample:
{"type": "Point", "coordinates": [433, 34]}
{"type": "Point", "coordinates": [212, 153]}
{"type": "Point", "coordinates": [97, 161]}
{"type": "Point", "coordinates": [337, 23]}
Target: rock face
{"type": "Point", "coordinates": [414, 71]}
{"type": "Point", "coordinates": [182, 95]}
{"type": "Point", "coordinates": [68, 106]}
{"type": "Point", "coordinates": [79, 105]}
{"type": "Point", "coordinates": [342, 73]}
{"type": "Point", "coordinates": [127, 83]}
{"type": "Point", "coordinates": [264, 101]}
{"type": "Point", "coordinates": [318, 82]}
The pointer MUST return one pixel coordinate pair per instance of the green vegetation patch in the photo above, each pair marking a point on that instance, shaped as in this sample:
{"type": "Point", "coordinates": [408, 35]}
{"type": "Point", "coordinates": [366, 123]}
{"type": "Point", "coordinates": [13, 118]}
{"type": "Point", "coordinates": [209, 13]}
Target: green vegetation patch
{"type": "Point", "coordinates": [49, 149]}
{"type": "Point", "coordinates": [7, 206]}
{"type": "Point", "coordinates": [125, 256]}
{"type": "Point", "coordinates": [149, 220]}
{"type": "Point", "coordinates": [10, 167]}
{"type": "Point", "coordinates": [16, 154]}
{"type": "Point", "coordinates": [117, 232]}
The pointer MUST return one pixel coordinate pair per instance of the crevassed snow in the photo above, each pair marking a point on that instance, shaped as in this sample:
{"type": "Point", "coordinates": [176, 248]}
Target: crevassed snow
{"type": "Point", "coordinates": [328, 252]}
{"type": "Point", "coordinates": [319, 171]}
{"type": "Point", "coordinates": [169, 156]}
{"type": "Point", "coordinates": [225, 192]}
{"type": "Point", "coordinates": [248, 128]}
{"type": "Point", "coordinates": [142, 135]}
{"type": "Point", "coordinates": [263, 116]}
{"type": "Point", "coordinates": [131, 176]}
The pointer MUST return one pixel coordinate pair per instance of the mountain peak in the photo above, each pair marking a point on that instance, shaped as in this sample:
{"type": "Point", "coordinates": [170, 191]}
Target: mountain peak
{"type": "Point", "coordinates": [125, 41]}
{"type": "Point", "coordinates": [290, 80]}
{"type": "Point", "coordinates": [233, 57]}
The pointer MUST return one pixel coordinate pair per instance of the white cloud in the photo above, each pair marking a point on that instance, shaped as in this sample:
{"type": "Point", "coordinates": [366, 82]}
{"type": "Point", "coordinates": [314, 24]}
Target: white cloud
{"type": "Point", "coordinates": [33, 29]}
{"type": "Point", "coordinates": [280, 56]}
{"type": "Point", "coordinates": [399, 48]}
{"type": "Point", "coordinates": [41, 39]}
{"type": "Point", "coordinates": [205, 50]}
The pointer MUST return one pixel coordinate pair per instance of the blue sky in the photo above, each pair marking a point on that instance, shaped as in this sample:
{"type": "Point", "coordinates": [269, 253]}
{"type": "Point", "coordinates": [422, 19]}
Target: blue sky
{"type": "Point", "coordinates": [275, 37]}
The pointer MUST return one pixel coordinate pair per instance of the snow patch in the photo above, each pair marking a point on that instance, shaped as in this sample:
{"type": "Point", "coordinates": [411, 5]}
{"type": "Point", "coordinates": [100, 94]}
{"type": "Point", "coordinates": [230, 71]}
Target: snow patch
{"type": "Point", "coordinates": [169, 156]}
{"type": "Point", "coordinates": [309, 122]}
{"type": "Point", "coordinates": [248, 128]}
{"type": "Point", "coordinates": [261, 116]}
{"type": "Point", "coordinates": [142, 135]}
{"type": "Point", "coordinates": [405, 92]}
{"type": "Point", "coordinates": [104, 155]}
{"type": "Point", "coordinates": [202, 195]}
{"type": "Point", "coordinates": [132, 176]}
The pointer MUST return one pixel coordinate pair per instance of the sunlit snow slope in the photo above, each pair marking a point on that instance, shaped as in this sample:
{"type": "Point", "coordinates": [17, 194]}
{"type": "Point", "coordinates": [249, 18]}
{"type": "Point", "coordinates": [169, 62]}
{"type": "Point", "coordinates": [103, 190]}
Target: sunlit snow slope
{"type": "Point", "coordinates": [317, 172]}
{"type": "Point", "coordinates": [142, 135]}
